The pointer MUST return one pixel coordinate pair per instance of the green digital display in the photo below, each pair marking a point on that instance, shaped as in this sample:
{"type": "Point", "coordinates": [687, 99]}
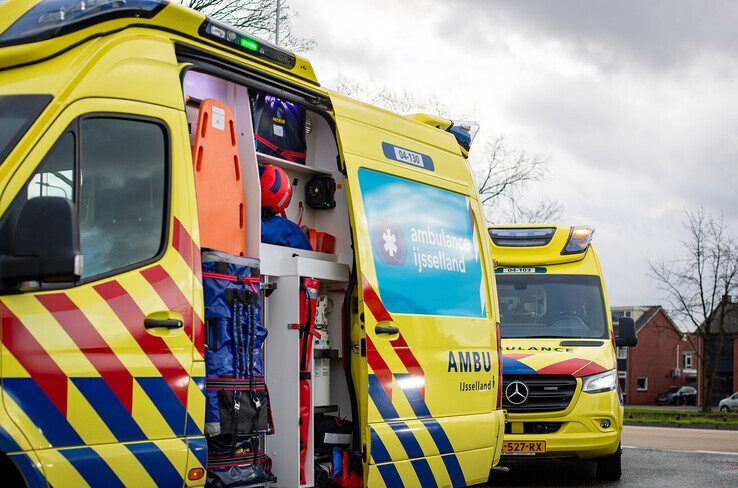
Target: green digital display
{"type": "Point", "coordinates": [249, 44]}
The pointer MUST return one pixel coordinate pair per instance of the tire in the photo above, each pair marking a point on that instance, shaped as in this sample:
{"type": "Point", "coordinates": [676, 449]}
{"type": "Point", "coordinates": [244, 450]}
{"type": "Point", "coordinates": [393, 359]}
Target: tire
{"type": "Point", "coordinates": [725, 408]}
{"type": "Point", "coordinates": [680, 401]}
{"type": "Point", "coordinates": [609, 468]}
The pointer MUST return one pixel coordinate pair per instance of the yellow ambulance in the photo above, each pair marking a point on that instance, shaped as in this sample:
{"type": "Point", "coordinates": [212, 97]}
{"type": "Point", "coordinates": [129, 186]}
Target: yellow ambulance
{"type": "Point", "coordinates": [560, 386]}
{"type": "Point", "coordinates": [101, 292]}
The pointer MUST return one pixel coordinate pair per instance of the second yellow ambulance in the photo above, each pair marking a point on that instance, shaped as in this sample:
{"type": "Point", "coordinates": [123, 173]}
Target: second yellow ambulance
{"type": "Point", "coordinates": [560, 383]}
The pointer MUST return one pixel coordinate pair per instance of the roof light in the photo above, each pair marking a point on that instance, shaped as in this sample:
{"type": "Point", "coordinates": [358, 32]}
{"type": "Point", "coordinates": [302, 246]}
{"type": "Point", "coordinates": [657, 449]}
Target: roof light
{"type": "Point", "coordinates": [464, 131]}
{"type": "Point", "coordinates": [232, 37]}
{"type": "Point", "coordinates": [579, 239]}
{"type": "Point", "coordinates": [53, 18]}
{"type": "Point", "coordinates": [522, 237]}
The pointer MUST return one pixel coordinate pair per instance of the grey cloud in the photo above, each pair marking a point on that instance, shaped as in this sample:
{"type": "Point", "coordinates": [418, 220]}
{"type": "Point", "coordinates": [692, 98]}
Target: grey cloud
{"type": "Point", "coordinates": [657, 35]}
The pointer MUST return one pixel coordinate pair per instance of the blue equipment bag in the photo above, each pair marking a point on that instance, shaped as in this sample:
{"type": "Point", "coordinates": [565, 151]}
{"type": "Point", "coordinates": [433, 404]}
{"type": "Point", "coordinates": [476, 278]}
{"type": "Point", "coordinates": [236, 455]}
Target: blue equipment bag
{"type": "Point", "coordinates": [283, 232]}
{"type": "Point", "coordinates": [240, 470]}
{"type": "Point", "coordinates": [237, 401]}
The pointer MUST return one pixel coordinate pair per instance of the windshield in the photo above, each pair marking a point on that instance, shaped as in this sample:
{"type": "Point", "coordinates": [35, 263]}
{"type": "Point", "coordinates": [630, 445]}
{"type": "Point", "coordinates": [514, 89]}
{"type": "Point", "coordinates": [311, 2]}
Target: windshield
{"type": "Point", "coordinates": [547, 305]}
{"type": "Point", "coordinates": [17, 113]}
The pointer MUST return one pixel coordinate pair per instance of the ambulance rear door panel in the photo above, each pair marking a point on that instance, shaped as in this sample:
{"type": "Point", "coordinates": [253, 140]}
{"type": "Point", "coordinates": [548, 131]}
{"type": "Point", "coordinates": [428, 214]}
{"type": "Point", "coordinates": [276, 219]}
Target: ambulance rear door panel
{"type": "Point", "coordinates": [424, 386]}
{"type": "Point", "coordinates": [95, 388]}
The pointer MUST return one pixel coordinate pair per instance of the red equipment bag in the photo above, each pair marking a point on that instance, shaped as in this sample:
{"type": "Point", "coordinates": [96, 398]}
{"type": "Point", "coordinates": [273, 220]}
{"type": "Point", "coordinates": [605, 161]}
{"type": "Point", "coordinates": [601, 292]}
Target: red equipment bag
{"type": "Point", "coordinates": [308, 308]}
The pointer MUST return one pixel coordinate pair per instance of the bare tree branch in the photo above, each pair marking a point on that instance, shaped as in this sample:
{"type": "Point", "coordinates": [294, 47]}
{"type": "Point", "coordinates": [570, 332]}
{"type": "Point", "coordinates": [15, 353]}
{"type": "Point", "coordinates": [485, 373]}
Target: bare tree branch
{"type": "Point", "coordinates": [502, 174]}
{"type": "Point", "coordinates": [698, 286]}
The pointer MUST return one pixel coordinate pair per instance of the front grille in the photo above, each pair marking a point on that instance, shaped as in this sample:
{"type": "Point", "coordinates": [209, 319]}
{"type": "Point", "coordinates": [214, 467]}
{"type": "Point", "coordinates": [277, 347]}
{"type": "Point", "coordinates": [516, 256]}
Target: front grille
{"type": "Point", "coordinates": [546, 393]}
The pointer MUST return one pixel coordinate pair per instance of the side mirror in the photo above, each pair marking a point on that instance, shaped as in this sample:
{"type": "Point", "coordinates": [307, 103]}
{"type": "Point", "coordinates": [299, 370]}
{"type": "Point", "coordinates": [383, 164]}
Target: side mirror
{"type": "Point", "coordinates": [626, 333]}
{"type": "Point", "coordinates": [45, 245]}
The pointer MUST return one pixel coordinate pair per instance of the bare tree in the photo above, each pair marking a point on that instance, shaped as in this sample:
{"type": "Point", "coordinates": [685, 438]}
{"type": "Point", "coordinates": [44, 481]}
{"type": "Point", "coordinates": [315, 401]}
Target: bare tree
{"type": "Point", "coordinates": [400, 101]}
{"type": "Point", "coordinates": [258, 17]}
{"type": "Point", "coordinates": [502, 174]}
{"type": "Point", "coordinates": [698, 286]}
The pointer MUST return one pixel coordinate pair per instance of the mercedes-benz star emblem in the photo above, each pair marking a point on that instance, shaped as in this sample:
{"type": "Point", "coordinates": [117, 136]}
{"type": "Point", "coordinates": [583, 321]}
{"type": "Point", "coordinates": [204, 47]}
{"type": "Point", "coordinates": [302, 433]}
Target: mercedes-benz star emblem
{"type": "Point", "coordinates": [516, 392]}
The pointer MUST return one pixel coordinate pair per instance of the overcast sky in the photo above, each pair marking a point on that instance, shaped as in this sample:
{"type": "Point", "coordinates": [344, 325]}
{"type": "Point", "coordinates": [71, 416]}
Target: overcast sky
{"type": "Point", "coordinates": [634, 102]}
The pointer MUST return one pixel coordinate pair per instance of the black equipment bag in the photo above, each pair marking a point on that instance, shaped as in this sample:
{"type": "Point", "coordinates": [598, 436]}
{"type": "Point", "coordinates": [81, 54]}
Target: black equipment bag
{"type": "Point", "coordinates": [279, 127]}
{"type": "Point", "coordinates": [244, 406]}
{"type": "Point", "coordinates": [320, 193]}
{"type": "Point", "coordinates": [332, 431]}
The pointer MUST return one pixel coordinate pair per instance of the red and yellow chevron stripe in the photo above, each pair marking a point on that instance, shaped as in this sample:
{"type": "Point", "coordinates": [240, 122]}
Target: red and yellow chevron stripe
{"type": "Point", "coordinates": [90, 396]}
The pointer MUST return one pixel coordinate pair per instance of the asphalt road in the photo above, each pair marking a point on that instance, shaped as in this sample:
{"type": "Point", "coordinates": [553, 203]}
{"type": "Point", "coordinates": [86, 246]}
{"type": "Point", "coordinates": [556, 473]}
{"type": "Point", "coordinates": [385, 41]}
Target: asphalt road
{"type": "Point", "coordinates": [681, 438]}
{"type": "Point", "coordinates": [693, 463]}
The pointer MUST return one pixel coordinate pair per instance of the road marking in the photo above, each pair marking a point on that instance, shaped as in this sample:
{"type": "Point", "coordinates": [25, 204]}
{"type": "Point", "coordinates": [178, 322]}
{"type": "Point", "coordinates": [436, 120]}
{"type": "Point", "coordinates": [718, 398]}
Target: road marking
{"type": "Point", "coordinates": [682, 450]}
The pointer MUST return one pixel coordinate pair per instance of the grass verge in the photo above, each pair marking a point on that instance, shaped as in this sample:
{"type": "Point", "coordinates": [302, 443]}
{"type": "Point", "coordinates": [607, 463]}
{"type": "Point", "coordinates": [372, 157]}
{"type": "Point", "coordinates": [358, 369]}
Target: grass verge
{"type": "Point", "coordinates": [680, 417]}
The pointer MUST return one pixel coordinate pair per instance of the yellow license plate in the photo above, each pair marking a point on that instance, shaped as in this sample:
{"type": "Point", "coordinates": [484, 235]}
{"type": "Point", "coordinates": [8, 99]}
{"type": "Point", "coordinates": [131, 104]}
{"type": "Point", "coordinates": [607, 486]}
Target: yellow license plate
{"type": "Point", "coordinates": [523, 447]}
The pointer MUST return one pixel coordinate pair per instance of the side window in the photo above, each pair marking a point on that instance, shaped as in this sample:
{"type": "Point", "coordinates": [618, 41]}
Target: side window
{"type": "Point", "coordinates": [122, 189]}
{"type": "Point", "coordinates": [55, 176]}
{"type": "Point", "coordinates": [115, 170]}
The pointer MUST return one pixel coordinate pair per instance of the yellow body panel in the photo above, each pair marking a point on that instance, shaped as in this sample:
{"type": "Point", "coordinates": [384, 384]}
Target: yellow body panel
{"type": "Point", "coordinates": [70, 355]}
{"type": "Point", "coordinates": [580, 434]}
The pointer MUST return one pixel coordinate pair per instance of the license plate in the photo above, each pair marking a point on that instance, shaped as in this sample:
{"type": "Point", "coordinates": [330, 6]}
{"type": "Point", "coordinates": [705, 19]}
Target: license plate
{"type": "Point", "coordinates": [523, 447]}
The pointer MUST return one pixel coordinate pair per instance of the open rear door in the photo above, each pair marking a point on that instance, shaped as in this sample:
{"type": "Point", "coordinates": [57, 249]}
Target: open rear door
{"type": "Point", "coordinates": [423, 362]}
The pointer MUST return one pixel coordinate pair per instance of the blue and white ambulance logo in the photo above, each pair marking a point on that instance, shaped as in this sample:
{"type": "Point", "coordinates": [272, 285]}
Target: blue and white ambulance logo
{"type": "Point", "coordinates": [388, 242]}
{"type": "Point", "coordinates": [424, 247]}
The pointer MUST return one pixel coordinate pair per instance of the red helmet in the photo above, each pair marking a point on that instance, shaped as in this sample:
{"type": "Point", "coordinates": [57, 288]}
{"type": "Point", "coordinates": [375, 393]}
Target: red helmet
{"type": "Point", "coordinates": [276, 189]}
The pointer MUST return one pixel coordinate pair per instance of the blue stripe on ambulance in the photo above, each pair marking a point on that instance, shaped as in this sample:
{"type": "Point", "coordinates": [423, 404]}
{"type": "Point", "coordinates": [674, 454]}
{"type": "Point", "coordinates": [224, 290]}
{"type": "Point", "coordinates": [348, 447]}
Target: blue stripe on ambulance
{"type": "Point", "coordinates": [91, 467]}
{"type": "Point", "coordinates": [31, 473]}
{"type": "Point", "coordinates": [109, 408]}
{"type": "Point", "coordinates": [156, 464]}
{"type": "Point", "coordinates": [168, 404]}
{"type": "Point", "coordinates": [390, 475]}
{"type": "Point", "coordinates": [381, 400]}
{"type": "Point", "coordinates": [41, 411]}
{"type": "Point", "coordinates": [388, 412]}
{"type": "Point", "coordinates": [379, 453]}
{"type": "Point", "coordinates": [199, 447]}
{"type": "Point", "coordinates": [414, 397]}
{"type": "Point", "coordinates": [513, 366]}
{"type": "Point", "coordinates": [7, 443]}
{"type": "Point", "coordinates": [415, 452]}
{"type": "Point", "coordinates": [446, 449]}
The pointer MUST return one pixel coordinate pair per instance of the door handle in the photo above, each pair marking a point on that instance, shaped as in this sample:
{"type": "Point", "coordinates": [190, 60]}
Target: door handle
{"type": "Point", "coordinates": [163, 323]}
{"type": "Point", "coordinates": [386, 329]}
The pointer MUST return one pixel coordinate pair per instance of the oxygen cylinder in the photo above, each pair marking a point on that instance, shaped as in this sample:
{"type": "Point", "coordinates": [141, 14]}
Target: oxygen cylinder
{"type": "Point", "coordinates": [321, 356]}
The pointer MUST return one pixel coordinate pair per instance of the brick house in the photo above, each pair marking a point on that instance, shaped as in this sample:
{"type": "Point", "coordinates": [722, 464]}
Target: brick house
{"type": "Point", "coordinates": [726, 374]}
{"type": "Point", "coordinates": [663, 358]}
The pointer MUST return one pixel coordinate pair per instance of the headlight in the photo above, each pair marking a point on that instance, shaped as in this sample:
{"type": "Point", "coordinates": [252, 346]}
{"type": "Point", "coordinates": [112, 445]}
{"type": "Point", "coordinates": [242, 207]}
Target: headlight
{"type": "Point", "coordinates": [600, 382]}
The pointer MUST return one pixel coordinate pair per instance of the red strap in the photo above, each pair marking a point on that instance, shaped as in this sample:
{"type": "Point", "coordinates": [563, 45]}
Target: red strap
{"type": "Point", "coordinates": [286, 154]}
{"type": "Point", "coordinates": [266, 142]}
{"type": "Point", "coordinates": [299, 217]}
{"type": "Point", "coordinates": [246, 280]}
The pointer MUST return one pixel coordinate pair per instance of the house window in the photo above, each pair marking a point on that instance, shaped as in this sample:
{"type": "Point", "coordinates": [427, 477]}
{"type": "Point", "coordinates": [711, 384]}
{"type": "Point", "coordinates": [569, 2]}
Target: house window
{"type": "Point", "coordinates": [622, 352]}
{"type": "Point", "coordinates": [642, 384]}
{"type": "Point", "coordinates": [620, 313]}
{"type": "Point", "coordinates": [687, 360]}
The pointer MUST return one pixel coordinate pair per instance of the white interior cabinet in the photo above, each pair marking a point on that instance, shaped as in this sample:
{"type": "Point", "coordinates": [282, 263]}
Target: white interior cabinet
{"type": "Point", "coordinates": [286, 266]}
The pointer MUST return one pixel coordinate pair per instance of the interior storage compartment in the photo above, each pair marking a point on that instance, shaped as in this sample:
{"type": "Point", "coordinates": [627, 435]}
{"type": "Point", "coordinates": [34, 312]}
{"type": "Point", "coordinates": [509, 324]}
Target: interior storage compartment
{"type": "Point", "coordinates": [283, 268]}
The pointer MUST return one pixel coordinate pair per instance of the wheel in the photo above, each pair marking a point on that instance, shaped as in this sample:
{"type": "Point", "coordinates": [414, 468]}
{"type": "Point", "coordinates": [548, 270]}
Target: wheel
{"type": "Point", "coordinates": [680, 401]}
{"type": "Point", "coordinates": [725, 408]}
{"type": "Point", "coordinates": [609, 468]}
